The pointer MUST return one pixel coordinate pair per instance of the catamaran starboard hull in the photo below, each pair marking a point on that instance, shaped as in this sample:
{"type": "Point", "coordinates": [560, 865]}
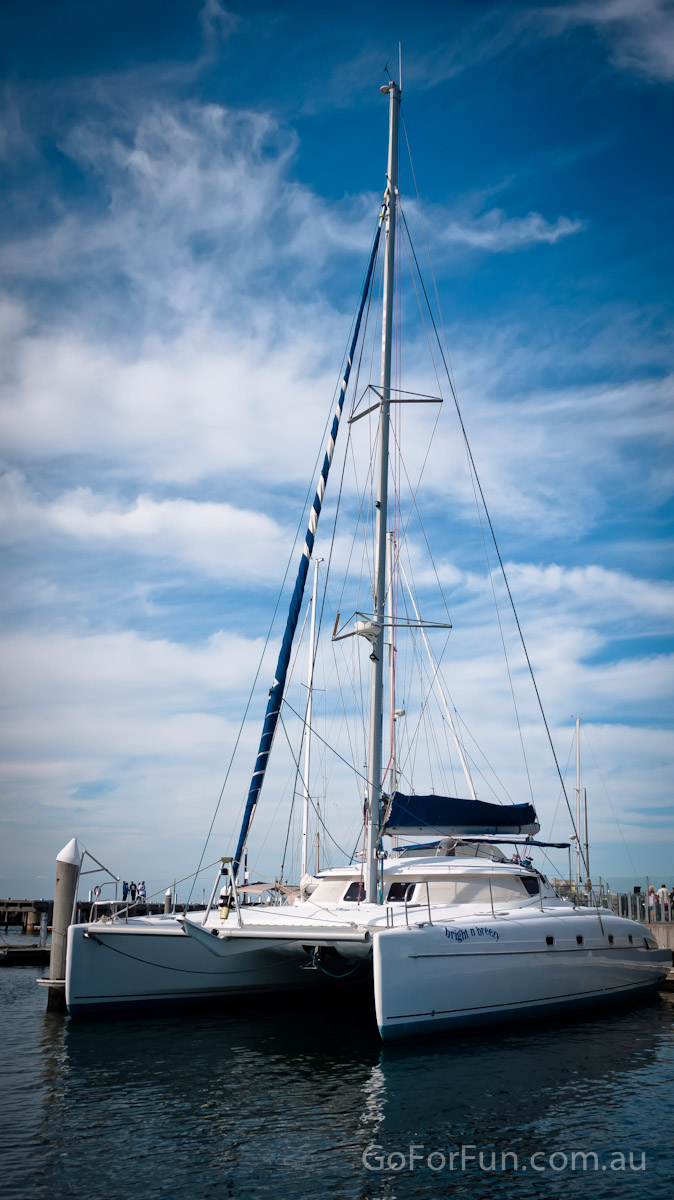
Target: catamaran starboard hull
{"type": "Point", "coordinates": [442, 977]}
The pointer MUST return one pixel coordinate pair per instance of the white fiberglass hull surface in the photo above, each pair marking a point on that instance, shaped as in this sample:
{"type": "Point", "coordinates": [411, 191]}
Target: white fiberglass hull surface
{"type": "Point", "coordinates": [457, 971]}
{"type": "Point", "coordinates": [152, 963]}
{"type": "Point", "coordinates": [486, 970]}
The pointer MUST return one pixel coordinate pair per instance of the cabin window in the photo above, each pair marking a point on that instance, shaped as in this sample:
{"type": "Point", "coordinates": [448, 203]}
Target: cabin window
{"type": "Point", "coordinates": [610, 939]}
{"type": "Point", "coordinates": [579, 938]}
{"type": "Point", "coordinates": [549, 941]}
{"type": "Point", "coordinates": [472, 890]}
{"type": "Point", "coordinates": [400, 891]}
{"type": "Point", "coordinates": [329, 891]}
{"type": "Point", "coordinates": [531, 885]}
{"type": "Point", "coordinates": [631, 939]}
{"type": "Point", "coordinates": [355, 892]}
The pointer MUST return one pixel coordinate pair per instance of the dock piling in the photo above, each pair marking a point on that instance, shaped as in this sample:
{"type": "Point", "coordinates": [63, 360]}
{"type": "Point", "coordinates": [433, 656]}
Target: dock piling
{"type": "Point", "coordinates": [65, 890]}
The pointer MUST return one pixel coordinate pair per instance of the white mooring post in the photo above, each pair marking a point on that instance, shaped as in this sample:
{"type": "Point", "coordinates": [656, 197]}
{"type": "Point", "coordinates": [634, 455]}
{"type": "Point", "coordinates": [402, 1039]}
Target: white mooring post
{"type": "Point", "coordinates": [65, 890]}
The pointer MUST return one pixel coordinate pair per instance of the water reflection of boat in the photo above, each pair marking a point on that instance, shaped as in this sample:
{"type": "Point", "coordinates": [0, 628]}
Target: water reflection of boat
{"type": "Point", "coordinates": [272, 1103]}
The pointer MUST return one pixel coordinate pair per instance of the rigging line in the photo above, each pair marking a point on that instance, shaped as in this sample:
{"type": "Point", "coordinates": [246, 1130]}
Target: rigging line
{"type": "Point", "coordinates": [414, 507]}
{"type": "Point", "coordinates": [549, 860]}
{"type": "Point", "coordinates": [424, 698]}
{"type": "Point", "coordinates": [436, 682]}
{"type": "Point", "coordinates": [327, 574]}
{"type": "Point", "coordinates": [274, 701]}
{"type": "Point", "coordinates": [476, 767]}
{"type": "Point", "coordinates": [449, 750]}
{"type": "Point", "coordinates": [480, 751]}
{"type": "Point", "coordinates": [290, 821]}
{"type": "Point", "coordinates": [349, 445]}
{"type": "Point", "coordinates": [315, 733]}
{"type": "Point", "coordinates": [290, 676]}
{"type": "Point", "coordinates": [347, 723]}
{"type": "Point", "coordinates": [364, 514]}
{"type": "Point", "coordinates": [615, 815]}
{"type": "Point", "coordinates": [502, 636]}
{"type": "Point", "coordinates": [311, 800]}
{"type": "Point", "coordinates": [496, 547]}
{"type": "Point", "coordinates": [278, 599]}
{"type": "Point", "coordinates": [559, 794]}
{"type": "Point", "coordinates": [407, 242]}
{"type": "Point", "coordinates": [428, 250]}
{"type": "Point", "coordinates": [361, 492]}
{"type": "Point", "coordinates": [183, 880]}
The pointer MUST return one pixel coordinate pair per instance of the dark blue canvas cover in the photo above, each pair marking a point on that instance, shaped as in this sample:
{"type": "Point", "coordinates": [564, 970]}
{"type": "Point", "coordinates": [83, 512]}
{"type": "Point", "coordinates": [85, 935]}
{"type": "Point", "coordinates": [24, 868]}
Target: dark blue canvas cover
{"type": "Point", "coordinates": [447, 814]}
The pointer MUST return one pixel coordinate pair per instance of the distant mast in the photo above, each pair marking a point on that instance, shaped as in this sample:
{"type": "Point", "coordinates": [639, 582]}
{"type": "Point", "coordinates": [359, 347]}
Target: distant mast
{"type": "Point", "coordinates": [376, 683]}
{"type": "Point", "coordinates": [578, 867]}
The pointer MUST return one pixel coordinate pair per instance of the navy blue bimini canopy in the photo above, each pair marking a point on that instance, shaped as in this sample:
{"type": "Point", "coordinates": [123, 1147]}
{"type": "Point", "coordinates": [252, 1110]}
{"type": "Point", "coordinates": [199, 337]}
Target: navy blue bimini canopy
{"type": "Point", "coordinates": [414, 815]}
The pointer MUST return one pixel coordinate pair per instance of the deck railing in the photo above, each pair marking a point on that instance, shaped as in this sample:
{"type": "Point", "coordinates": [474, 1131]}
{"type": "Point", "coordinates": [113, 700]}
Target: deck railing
{"type": "Point", "coordinates": [633, 905]}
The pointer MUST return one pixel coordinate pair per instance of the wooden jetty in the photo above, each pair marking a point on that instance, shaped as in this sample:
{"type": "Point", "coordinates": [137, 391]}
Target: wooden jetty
{"type": "Point", "coordinates": [26, 913]}
{"type": "Point", "coordinates": [23, 956]}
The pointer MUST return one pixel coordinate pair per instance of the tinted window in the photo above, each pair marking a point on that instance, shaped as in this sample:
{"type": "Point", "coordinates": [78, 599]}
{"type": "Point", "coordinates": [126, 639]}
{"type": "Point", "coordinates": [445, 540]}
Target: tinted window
{"type": "Point", "coordinates": [355, 891]}
{"type": "Point", "coordinates": [400, 891]}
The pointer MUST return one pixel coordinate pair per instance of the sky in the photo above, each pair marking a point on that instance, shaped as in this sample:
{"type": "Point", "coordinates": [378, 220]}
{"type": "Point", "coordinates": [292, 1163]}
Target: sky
{"type": "Point", "coordinates": [189, 191]}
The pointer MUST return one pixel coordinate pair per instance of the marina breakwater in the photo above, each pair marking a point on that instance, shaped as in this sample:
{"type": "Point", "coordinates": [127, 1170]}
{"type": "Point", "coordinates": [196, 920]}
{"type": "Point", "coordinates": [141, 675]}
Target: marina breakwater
{"type": "Point", "coordinates": [28, 913]}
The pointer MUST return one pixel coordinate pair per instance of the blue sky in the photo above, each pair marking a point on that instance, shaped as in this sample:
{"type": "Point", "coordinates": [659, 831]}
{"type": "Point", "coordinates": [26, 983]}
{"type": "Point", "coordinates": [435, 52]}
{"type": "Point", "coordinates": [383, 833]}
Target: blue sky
{"type": "Point", "coordinates": [188, 195]}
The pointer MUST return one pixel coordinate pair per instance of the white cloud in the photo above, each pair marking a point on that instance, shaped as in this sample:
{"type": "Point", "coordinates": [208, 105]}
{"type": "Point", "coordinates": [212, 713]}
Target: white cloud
{"type": "Point", "coordinates": [198, 200]}
{"type": "Point", "coordinates": [611, 595]}
{"type": "Point", "coordinates": [640, 33]}
{"type": "Point", "coordinates": [495, 231]}
{"type": "Point", "coordinates": [218, 539]}
{"type": "Point", "coordinates": [121, 670]}
{"type": "Point", "coordinates": [185, 373]}
{"type": "Point", "coordinates": [209, 403]}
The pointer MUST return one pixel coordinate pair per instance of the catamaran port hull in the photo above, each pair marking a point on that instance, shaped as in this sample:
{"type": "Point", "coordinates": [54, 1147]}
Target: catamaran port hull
{"type": "Point", "coordinates": [117, 967]}
{"type": "Point", "coordinates": [442, 977]}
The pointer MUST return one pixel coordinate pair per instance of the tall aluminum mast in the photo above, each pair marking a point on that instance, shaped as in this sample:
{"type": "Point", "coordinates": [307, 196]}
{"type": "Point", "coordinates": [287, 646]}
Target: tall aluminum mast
{"type": "Point", "coordinates": [376, 685]}
{"type": "Point", "coordinates": [307, 722]}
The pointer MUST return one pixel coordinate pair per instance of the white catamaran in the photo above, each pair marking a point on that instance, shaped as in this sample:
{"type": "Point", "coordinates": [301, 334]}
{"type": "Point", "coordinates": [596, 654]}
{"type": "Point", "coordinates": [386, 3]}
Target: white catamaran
{"type": "Point", "coordinates": [449, 933]}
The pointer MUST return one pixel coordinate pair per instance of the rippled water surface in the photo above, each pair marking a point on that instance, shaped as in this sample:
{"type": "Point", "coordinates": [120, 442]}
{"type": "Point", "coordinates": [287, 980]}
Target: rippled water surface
{"type": "Point", "coordinates": [302, 1104]}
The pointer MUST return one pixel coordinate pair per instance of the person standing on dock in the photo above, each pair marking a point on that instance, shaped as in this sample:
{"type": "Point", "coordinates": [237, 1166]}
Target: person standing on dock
{"type": "Point", "coordinates": [142, 891]}
{"type": "Point", "coordinates": [663, 897]}
{"type": "Point", "coordinates": [132, 891]}
{"type": "Point", "coordinates": [125, 889]}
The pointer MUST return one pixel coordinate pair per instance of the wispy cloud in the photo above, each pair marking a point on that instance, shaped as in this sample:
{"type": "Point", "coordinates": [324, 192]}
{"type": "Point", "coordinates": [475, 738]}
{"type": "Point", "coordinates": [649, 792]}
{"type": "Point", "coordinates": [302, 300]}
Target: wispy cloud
{"type": "Point", "coordinates": [600, 597]}
{"type": "Point", "coordinates": [609, 595]}
{"type": "Point", "coordinates": [185, 408]}
{"type": "Point", "coordinates": [496, 231]}
{"type": "Point", "coordinates": [171, 332]}
{"type": "Point", "coordinates": [639, 33]}
{"type": "Point", "coordinates": [198, 207]}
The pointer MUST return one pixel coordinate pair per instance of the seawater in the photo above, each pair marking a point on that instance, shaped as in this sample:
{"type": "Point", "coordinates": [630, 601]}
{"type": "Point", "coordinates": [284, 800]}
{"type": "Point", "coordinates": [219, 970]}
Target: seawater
{"type": "Point", "coordinates": [299, 1101]}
